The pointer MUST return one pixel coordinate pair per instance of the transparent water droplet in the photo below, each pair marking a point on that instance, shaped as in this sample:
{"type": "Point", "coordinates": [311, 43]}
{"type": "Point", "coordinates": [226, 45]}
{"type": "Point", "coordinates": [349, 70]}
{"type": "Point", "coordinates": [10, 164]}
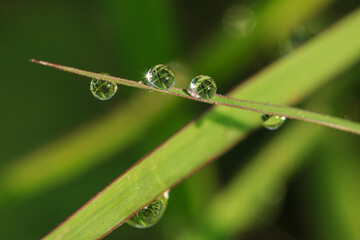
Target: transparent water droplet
{"type": "Point", "coordinates": [160, 77]}
{"type": "Point", "coordinates": [239, 21]}
{"type": "Point", "coordinates": [150, 214]}
{"type": "Point", "coordinates": [101, 89]}
{"type": "Point", "coordinates": [272, 122]}
{"type": "Point", "coordinates": [202, 87]}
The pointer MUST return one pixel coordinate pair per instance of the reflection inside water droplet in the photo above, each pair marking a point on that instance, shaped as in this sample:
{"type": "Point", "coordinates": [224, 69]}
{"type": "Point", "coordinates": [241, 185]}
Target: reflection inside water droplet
{"type": "Point", "coordinates": [150, 214]}
{"type": "Point", "coordinates": [202, 87]}
{"type": "Point", "coordinates": [101, 89]}
{"type": "Point", "coordinates": [161, 77]}
{"type": "Point", "coordinates": [272, 122]}
{"type": "Point", "coordinates": [239, 21]}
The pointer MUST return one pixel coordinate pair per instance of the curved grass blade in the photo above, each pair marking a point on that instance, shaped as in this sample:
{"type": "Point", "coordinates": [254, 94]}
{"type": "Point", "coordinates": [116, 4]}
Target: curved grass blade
{"type": "Point", "coordinates": [293, 113]}
{"type": "Point", "coordinates": [202, 141]}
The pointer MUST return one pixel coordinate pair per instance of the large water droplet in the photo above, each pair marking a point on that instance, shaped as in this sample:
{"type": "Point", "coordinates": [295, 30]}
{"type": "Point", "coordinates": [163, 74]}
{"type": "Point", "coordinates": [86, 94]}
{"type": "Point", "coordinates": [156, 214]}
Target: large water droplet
{"type": "Point", "coordinates": [150, 214]}
{"type": "Point", "coordinates": [101, 89]}
{"type": "Point", "coordinates": [161, 77]}
{"type": "Point", "coordinates": [239, 21]}
{"type": "Point", "coordinates": [272, 122]}
{"type": "Point", "coordinates": [202, 87]}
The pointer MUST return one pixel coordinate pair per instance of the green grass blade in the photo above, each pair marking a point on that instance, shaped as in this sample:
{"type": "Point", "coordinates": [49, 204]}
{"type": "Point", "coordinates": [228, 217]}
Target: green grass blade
{"type": "Point", "coordinates": [203, 140]}
{"type": "Point", "coordinates": [278, 110]}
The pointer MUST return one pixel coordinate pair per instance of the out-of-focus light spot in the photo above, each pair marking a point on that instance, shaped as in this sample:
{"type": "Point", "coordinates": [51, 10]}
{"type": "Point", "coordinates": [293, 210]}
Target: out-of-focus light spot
{"type": "Point", "coordinates": [239, 21]}
{"type": "Point", "coordinates": [296, 37]}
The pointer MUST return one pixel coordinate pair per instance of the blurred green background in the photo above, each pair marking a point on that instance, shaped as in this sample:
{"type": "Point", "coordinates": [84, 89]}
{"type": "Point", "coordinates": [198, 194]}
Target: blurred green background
{"type": "Point", "coordinates": [318, 199]}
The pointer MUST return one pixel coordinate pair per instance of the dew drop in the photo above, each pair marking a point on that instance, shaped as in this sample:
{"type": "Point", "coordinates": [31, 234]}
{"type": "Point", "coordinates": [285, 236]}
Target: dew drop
{"type": "Point", "coordinates": [202, 87]}
{"type": "Point", "coordinates": [150, 214]}
{"type": "Point", "coordinates": [272, 122]}
{"type": "Point", "coordinates": [160, 77]}
{"type": "Point", "coordinates": [101, 89]}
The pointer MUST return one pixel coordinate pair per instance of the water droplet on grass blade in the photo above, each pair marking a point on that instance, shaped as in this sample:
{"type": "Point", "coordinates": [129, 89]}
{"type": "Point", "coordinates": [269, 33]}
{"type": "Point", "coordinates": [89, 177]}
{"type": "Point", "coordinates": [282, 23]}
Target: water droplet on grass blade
{"type": "Point", "coordinates": [101, 89]}
{"type": "Point", "coordinates": [202, 87]}
{"type": "Point", "coordinates": [160, 77]}
{"type": "Point", "coordinates": [272, 122]}
{"type": "Point", "coordinates": [150, 214]}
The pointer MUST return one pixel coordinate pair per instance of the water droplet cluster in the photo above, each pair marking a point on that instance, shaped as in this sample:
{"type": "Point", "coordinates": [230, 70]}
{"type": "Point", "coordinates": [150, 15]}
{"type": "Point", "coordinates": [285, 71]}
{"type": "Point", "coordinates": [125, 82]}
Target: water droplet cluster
{"type": "Point", "coordinates": [272, 122]}
{"type": "Point", "coordinates": [101, 89]}
{"type": "Point", "coordinates": [150, 214]}
{"type": "Point", "coordinates": [162, 77]}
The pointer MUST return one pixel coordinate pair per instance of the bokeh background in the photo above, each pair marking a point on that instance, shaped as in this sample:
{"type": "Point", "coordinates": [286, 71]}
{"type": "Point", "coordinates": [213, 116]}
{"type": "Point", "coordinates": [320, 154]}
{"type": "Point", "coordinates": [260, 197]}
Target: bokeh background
{"type": "Point", "coordinates": [42, 109]}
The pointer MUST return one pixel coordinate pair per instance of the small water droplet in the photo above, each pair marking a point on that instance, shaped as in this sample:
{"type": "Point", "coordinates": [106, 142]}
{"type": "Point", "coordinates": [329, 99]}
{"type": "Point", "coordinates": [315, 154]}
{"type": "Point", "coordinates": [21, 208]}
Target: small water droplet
{"type": "Point", "coordinates": [239, 21]}
{"type": "Point", "coordinates": [101, 89]}
{"type": "Point", "coordinates": [150, 214]}
{"type": "Point", "coordinates": [202, 87]}
{"type": "Point", "coordinates": [272, 122]}
{"type": "Point", "coordinates": [161, 77]}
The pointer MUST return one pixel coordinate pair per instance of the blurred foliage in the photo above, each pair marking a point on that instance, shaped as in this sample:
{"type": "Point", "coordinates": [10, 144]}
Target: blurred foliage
{"type": "Point", "coordinates": [125, 38]}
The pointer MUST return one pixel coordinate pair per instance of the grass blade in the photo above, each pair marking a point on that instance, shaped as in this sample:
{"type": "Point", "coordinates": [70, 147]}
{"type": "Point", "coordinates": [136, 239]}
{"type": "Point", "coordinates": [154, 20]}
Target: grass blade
{"type": "Point", "coordinates": [203, 140]}
{"type": "Point", "coordinates": [278, 110]}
